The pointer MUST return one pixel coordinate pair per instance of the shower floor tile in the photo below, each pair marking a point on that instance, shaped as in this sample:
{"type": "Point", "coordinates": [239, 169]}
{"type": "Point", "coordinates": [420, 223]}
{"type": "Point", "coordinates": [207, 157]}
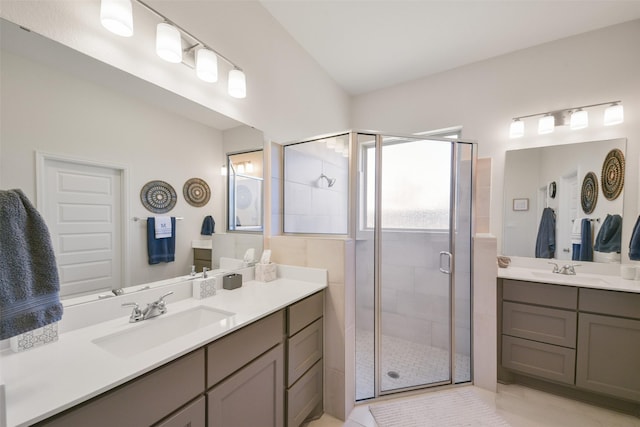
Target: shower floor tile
{"type": "Point", "coordinates": [404, 364]}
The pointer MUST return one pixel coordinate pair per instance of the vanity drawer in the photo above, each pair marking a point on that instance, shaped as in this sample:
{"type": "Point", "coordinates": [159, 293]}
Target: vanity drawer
{"type": "Point", "coordinates": [232, 352]}
{"type": "Point", "coordinates": [304, 349]}
{"type": "Point", "coordinates": [304, 396]}
{"type": "Point", "coordinates": [548, 325]}
{"type": "Point", "coordinates": [622, 304]}
{"type": "Point", "coordinates": [305, 312]}
{"type": "Point", "coordinates": [540, 293]}
{"type": "Point", "coordinates": [539, 359]}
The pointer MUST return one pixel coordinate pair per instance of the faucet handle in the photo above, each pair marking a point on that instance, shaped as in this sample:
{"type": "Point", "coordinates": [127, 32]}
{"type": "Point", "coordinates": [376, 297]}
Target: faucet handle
{"type": "Point", "coordinates": [556, 269]}
{"type": "Point", "coordinates": [161, 299]}
{"type": "Point", "coordinates": [136, 313]}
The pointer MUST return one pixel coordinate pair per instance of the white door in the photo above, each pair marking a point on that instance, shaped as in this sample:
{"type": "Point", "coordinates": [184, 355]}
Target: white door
{"type": "Point", "coordinates": [568, 192]}
{"type": "Point", "coordinates": [82, 205]}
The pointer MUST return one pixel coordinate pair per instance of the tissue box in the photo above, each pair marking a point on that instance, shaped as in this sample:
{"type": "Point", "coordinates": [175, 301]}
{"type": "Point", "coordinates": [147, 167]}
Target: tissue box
{"type": "Point", "coordinates": [204, 288]}
{"type": "Point", "coordinates": [232, 281]}
{"type": "Point", "coordinates": [36, 338]}
{"type": "Point", "coordinates": [266, 272]}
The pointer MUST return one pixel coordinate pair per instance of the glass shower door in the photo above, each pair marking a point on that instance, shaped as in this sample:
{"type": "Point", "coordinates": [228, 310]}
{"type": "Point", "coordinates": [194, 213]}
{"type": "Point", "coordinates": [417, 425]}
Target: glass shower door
{"type": "Point", "coordinates": [414, 244]}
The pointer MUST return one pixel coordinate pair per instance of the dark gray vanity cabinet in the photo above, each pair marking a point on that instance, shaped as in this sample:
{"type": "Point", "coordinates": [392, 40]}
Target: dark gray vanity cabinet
{"type": "Point", "coordinates": [609, 343]}
{"type": "Point", "coordinates": [580, 342]}
{"type": "Point", "coordinates": [539, 324]}
{"type": "Point", "coordinates": [304, 359]}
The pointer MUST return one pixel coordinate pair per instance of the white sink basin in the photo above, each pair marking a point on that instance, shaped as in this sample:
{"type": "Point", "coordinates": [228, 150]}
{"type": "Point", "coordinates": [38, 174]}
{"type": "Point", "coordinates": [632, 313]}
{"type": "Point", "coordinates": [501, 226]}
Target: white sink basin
{"type": "Point", "coordinates": [157, 331]}
{"type": "Point", "coordinates": [577, 279]}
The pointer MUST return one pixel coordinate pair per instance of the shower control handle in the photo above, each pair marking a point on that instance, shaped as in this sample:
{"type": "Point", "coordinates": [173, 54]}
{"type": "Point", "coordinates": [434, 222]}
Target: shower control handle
{"type": "Point", "coordinates": [446, 269]}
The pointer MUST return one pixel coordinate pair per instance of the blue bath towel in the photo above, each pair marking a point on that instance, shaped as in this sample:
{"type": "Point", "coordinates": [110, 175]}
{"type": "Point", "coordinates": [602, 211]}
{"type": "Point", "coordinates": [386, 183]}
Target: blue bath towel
{"type": "Point", "coordinates": [546, 241]}
{"type": "Point", "coordinates": [164, 249]}
{"type": "Point", "coordinates": [586, 247]}
{"type": "Point", "coordinates": [208, 226]}
{"type": "Point", "coordinates": [609, 238]}
{"type": "Point", "coordinates": [29, 282]}
{"type": "Point", "coordinates": [634, 244]}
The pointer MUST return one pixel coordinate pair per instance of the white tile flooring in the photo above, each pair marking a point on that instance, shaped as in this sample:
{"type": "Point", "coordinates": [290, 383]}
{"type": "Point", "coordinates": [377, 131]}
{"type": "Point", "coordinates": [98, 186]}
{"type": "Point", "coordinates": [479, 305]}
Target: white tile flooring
{"type": "Point", "coordinates": [415, 364]}
{"type": "Point", "coordinates": [520, 406]}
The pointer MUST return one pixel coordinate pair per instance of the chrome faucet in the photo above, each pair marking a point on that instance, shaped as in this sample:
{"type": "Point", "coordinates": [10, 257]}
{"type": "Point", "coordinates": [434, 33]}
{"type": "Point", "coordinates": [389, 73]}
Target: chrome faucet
{"type": "Point", "coordinates": [567, 269]}
{"type": "Point", "coordinates": [153, 309]}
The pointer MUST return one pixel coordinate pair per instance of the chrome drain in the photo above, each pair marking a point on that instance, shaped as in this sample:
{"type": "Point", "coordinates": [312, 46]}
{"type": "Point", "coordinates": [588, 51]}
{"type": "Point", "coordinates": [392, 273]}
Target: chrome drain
{"type": "Point", "coordinates": [393, 374]}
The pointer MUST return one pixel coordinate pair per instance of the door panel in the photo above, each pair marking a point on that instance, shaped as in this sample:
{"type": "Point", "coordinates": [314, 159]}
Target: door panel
{"type": "Point", "coordinates": [82, 207]}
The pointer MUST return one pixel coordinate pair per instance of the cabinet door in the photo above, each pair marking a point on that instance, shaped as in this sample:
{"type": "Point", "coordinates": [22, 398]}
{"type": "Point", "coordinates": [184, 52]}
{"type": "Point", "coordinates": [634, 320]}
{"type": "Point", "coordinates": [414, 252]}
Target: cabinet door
{"type": "Point", "coordinates": [543, 360]}
{"type": "Point", "coordinates": [192, 415]}
{"type": "Point", "coordinates": [253, 396]}
{"type": "Point", "coordinates": [609, 355]}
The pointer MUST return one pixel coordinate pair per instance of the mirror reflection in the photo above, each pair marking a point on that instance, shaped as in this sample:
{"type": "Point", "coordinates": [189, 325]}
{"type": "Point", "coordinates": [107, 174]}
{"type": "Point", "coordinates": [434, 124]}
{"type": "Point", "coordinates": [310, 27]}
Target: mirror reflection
{"type": "Point", "coordinates": [83, 140]}
{"type": "Point", "coordinates": [555, 205]}
{"type": "Point", "coordinates": [245, 190]}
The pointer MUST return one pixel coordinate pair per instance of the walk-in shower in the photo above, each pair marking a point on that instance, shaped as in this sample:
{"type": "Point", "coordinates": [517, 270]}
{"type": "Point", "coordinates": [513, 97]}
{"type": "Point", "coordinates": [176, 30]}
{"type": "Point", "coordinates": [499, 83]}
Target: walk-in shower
{"type": "Point", "coordinates": [413, 263]}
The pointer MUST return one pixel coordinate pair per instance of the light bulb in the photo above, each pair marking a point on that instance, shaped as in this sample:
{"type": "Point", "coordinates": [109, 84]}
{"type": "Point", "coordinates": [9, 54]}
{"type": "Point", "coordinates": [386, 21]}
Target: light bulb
{"type": "Point", "coordinates": [614, 115]}
{"type": "Point", "coordinates": [516, 130]}
{"type": "Point", "coordinates": [168, 43]}
{"type": "Point", "coordinates": [546, 124]}
{"type": "Point", "coordinates": [117, 17]}
{"type": "Point", "coordinates": [207, 65]}
{"type": "Point", "coordinates": [241, 168]}
{"type": "Point", "coordinates": [339, 146]}
{"type": "Point", "coordinates": [237, 84]}
{"type": "Point", "coordinates": [579, 119]}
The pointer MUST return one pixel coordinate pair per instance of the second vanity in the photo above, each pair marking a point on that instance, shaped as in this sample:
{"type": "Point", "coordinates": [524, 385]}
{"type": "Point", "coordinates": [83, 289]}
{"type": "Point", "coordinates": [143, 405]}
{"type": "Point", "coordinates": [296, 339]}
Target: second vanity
{"type": "Point", "coordinates": [261, 364]}
{"type": "Point", "coordinates": [578, 336]}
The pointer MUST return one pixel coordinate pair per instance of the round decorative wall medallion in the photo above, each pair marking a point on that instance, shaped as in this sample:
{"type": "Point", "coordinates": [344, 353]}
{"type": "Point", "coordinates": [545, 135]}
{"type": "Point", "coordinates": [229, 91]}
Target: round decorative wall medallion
{"type": "Point", "coordinates": [158, 196]}
{"type": "Point", "coordinates": [612, 178]}
{"type": "Point", "coordinates": [196, 192]}
{"type": "Point", "coordinates": [589, 195]}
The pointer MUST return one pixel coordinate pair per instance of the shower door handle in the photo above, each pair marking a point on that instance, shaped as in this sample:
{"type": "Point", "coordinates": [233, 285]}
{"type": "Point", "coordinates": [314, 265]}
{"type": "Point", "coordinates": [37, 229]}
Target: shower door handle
{"type": "Point", "coordinates": [446, 269]}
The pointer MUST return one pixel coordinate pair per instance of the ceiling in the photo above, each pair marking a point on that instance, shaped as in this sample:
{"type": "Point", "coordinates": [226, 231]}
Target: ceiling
{"type": "Point", "coordinates": [366, 45]}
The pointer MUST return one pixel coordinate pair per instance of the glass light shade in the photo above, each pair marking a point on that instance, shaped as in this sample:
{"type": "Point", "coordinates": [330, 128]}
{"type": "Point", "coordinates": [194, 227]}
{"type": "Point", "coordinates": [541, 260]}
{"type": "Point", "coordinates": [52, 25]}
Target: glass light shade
{"type": "Point", "coordinates": [613, 115]}
{"type": "Point", "coordinates": [207, 65]}
{"type": "Point", "coordinates": [579, 120]}
{"type": "Point", "coordinates": [516, 130]}
{"type": "Point", "coordinates": [249, 167]}
{"type": "Point", "coordinates": [117, 17]}
{"type": "Point", "coordinates": [168, 43]}
{"type": "Point", "coordinates": [546, 124]}
{"type": "Point", "coordinates": [241, 168]}
{"type": "Point", "coordinates": [223, 170]}
{"type": "Point", "coordinates": [345, 151]}
{"type": "Point", "coordinates": [331, 143]}
{"type": "Point", "coordinates": [339, 147]}
{"type": "Point", "coordinates": [237, 84]}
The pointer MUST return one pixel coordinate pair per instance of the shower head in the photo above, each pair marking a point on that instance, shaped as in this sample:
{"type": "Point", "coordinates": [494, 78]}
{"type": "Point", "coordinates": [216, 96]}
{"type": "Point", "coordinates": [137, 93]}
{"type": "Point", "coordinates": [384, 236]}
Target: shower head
{"type": "Point", "coordinates": [330, 181]}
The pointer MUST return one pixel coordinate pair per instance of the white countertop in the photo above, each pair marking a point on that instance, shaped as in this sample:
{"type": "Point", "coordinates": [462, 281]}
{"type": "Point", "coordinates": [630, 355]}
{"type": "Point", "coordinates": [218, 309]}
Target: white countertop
{"type": "Point", "coordinates": [584, 280]}
{"type": "Point", "coordinates": [47, 380]}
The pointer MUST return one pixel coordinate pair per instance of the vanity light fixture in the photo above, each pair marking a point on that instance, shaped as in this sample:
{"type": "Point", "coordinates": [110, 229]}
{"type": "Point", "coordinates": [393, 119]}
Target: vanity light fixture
{"type": "Point", "coordinates": [117, 17]}
{"type": "Point", "coordinates": [223, 170]}
{"type": "Point", "coordinates": [579, 118]}
{"type": "Point", "coordinates": [614, 114]}
{"type": "Point", "coordinates": [546, 124]}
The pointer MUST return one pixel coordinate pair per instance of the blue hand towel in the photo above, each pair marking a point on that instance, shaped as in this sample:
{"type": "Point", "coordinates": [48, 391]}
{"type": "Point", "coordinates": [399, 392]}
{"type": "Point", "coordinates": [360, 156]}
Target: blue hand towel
{"type": "Point", "coordinates": [164, 249]}
{"type": "Point", "coordinates": [546, 240]}
{"type": "Point", "coordinates": [208, 226]}
{"type": "Point", "coordinates": [609, 238]}
{"type": "Point", "coordinates": [586, 247]}
{"type": "Point", "coordinates": [634, 244]}
{"type": "Point", "coordinates": [29, 282]}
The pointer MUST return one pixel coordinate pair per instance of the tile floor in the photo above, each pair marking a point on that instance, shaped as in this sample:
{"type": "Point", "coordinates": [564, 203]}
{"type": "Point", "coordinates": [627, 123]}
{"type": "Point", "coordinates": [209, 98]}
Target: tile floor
{"type": "Point", "coordinates": [413, 363]}
{"type": "Point", "coordinates": [520, 406]}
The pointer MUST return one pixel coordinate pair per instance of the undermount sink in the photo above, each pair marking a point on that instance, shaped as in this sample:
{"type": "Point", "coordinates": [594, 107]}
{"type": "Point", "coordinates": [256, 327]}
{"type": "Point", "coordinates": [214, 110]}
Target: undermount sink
{"type": "Point", "coordinates": [577, 279]}
{"type": "Point", "coordinates": [159, 330]}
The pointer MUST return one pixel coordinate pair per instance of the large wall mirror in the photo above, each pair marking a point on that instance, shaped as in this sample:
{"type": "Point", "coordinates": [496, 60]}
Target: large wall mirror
{"type": "Point", "coordinates": [61, 105]}
{"type": "Point", "coordinates": [565, 181]}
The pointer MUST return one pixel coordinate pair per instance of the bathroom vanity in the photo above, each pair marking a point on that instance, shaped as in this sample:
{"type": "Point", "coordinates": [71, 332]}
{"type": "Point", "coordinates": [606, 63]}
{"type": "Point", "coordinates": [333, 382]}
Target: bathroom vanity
{"type": "Point", "coordinates": [578, 336]}
{"type": "Point", "coordinates": [261, 365]}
